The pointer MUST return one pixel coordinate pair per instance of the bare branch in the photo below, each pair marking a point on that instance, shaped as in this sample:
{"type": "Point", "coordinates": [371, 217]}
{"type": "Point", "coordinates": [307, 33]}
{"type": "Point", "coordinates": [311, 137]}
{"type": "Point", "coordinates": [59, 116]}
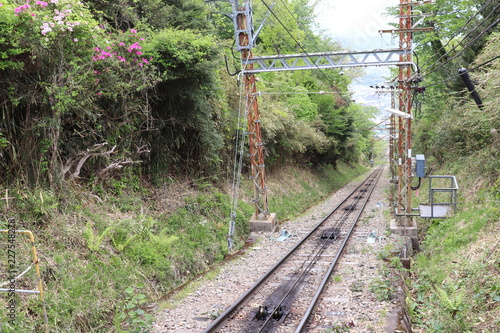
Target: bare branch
{"type": "Point", "coordinates": [113, 166]}
{"type": "Point", "coordinates": [82, 157]}
{"type": "Point", "coordinates": [142, 150]}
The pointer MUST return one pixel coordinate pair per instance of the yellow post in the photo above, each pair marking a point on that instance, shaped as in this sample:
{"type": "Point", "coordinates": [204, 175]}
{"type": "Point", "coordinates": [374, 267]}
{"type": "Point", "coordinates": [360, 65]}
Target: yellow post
{"type": "Point", "coordinates": [37, 270]}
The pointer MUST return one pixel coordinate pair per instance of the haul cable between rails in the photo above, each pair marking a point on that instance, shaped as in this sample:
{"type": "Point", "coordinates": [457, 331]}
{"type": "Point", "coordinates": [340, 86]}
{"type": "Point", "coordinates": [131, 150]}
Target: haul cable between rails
{"type": "Point", "coordinates": [240, 303]}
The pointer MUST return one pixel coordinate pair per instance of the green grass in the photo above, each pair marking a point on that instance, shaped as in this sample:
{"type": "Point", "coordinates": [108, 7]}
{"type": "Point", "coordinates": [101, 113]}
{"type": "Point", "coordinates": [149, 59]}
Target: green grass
{"type": "Point", "coordinates": [303, 190]}
{"type": "Point", "coordinates": [106, 253]}
{"type": "Point", "coordinates": [457, 285]}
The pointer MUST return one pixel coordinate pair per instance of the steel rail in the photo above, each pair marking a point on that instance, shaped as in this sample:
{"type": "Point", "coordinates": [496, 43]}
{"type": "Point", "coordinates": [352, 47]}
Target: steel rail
{"type": "Point", "coordinates": [324, 283]}
{"type": "Point", "coordinates": [338, 225]}
{"type": "Point", "coordinates": [217, 323]}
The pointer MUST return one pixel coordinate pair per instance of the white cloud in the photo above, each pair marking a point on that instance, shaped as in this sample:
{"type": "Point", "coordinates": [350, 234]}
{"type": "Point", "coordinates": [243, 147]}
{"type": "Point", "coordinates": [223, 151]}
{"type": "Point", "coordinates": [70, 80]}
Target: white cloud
{"type": "Point", "coordinates": [355, 24]}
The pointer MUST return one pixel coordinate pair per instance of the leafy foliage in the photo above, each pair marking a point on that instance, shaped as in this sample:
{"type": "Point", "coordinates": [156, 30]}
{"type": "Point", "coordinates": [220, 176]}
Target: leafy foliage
{"type": "Point", "coordinates": [100, 86]}
{"type": "Point", "coordinates": [77, 75]}
{"type": "Point", "coordinates": [454, 127]}
{"type": "Point", "coordinates": [133, 317]}
{"type": "Point", "coordinates": [94, 241]}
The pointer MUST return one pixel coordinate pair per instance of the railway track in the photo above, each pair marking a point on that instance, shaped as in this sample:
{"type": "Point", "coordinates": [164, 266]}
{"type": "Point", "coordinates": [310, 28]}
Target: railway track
{"type": "Point", "coordinates": [285, 297]}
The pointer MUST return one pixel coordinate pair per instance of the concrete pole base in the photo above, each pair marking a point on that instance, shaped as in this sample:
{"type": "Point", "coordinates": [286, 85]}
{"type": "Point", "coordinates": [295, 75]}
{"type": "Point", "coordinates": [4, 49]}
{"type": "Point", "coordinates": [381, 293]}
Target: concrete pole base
{"type": "Point", "coordinates": [410, 231]}
{"type": "Point", "coordinates": [263, 223]}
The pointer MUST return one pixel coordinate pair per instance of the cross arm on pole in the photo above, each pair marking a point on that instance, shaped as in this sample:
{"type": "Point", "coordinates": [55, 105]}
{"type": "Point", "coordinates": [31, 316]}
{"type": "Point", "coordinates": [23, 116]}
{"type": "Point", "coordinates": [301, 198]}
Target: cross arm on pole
{"type": "Point", "coordinates": [326, 60]}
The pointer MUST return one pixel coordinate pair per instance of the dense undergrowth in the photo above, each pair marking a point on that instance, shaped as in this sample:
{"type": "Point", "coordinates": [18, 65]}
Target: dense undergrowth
{"type": "Point", "coordinates": [106, 254]}
{"type": "Point", "coordinates": [455, 279]}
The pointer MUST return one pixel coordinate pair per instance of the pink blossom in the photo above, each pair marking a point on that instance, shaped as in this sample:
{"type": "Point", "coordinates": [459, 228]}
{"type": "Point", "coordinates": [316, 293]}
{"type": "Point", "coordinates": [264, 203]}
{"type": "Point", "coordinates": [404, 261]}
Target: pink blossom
{"type": "Point", "coordinates": [75, 39]}
{"type": "Point", "coordinates": [134, 46]}
{"type": "Point", "coordinates": [41, 3]}
{"type": "Point", "coordinates": [138, 52]}
{"type": "Point", "coordinates": [133, 31]}
{"type": "Point", "coordinates": [45, 28]}
{"type": "Point", "coordinates": [121, 44]}
{"type": "Point", "coordinates": [99, 93]}
{"type": "Point", "coordinates": [97, 49]}
{"type": "Point", "coordinates": [105, 54]}
{"type": "Point", "coordinates": [145, 61]}
{"type": "Point", "coordinates": [54, 1]}
{"type": "Point", "coordinates": [108, 47]}
{"type": "Point", "coordinates": [1, 4]}
{"type": "Point", "coordinates": [141, 39]}
{"type": "Point", "coordinates": [21, 8]}
{"type": "Point", "coordinates": [140, 64]}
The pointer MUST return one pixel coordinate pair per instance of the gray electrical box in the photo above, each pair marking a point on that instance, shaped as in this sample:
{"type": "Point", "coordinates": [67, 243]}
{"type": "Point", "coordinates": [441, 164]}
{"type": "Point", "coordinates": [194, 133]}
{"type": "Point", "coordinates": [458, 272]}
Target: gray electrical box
{"type": "Point", "coordinates": [420, 165]}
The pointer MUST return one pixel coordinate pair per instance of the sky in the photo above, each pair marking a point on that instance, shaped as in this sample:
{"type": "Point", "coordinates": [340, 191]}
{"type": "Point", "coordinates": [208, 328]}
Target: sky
{"type": "Point", "coordinates": [355, 24]}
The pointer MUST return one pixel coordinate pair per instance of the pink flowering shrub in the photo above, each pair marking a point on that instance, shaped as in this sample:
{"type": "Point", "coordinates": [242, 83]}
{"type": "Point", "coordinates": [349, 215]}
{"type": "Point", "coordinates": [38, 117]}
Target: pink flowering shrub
{"type": "Point", "coordinates": [61, 71]}
{"type": "Point", "coordinates": [67, 26]}
{"type": "Point", "coordinates": [119, 62]}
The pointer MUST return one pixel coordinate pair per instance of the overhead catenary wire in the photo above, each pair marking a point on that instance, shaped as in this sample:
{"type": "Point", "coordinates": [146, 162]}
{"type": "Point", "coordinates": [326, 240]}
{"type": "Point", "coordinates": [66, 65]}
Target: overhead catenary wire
{"type": "Point", "coordinates": [469, 70]}
{"type": "Point", "coordinates": [301, 26]}
{"type": "Point", "coordinates": [300, 46]}
{"type": "Point", "coordinates": [349, 93]}
{"type": "Point", "coordinates": [462, 28]}
{"type": "Point", "coordinates": [430, 69]}
{"type": "Point", "coordinates": [466, 46]}
{"type": "Point", "coordinates": [308, 37]}
{"type": "Point", "coordinates": [462, 40]}
{"type": "Point", "coordinates": [237, 165]}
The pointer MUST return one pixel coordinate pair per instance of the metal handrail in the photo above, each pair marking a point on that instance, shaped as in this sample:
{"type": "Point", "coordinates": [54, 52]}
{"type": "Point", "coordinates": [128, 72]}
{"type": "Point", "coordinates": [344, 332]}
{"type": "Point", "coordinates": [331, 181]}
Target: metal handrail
{"type": "Point", "coordinates": [452, 189]}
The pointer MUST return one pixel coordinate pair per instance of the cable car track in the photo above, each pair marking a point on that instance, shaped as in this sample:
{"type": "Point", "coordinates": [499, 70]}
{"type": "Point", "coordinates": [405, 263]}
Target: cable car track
{"type": "Point", "coordinates": [283, 299]}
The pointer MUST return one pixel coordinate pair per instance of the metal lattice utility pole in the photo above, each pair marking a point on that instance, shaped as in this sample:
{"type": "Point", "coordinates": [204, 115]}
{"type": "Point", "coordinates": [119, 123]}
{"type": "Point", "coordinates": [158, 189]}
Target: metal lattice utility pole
{"type": "Point", "coordinates": [245, 41]}
{"type": "Point", "coordinates": [404, 214]}
{"type": "Point", "coordinates": [393, 153]}
{"type": "Point", "coordinates": [262, 218]}
{"type": "Point", "coordinates": [403, 151]}
{"type": "Point", "coordinates": [405, 103]}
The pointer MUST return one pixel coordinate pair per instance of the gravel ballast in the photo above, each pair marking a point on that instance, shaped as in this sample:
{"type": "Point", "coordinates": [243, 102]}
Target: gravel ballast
{"type": "Point", "coordinates": [350, 302]}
